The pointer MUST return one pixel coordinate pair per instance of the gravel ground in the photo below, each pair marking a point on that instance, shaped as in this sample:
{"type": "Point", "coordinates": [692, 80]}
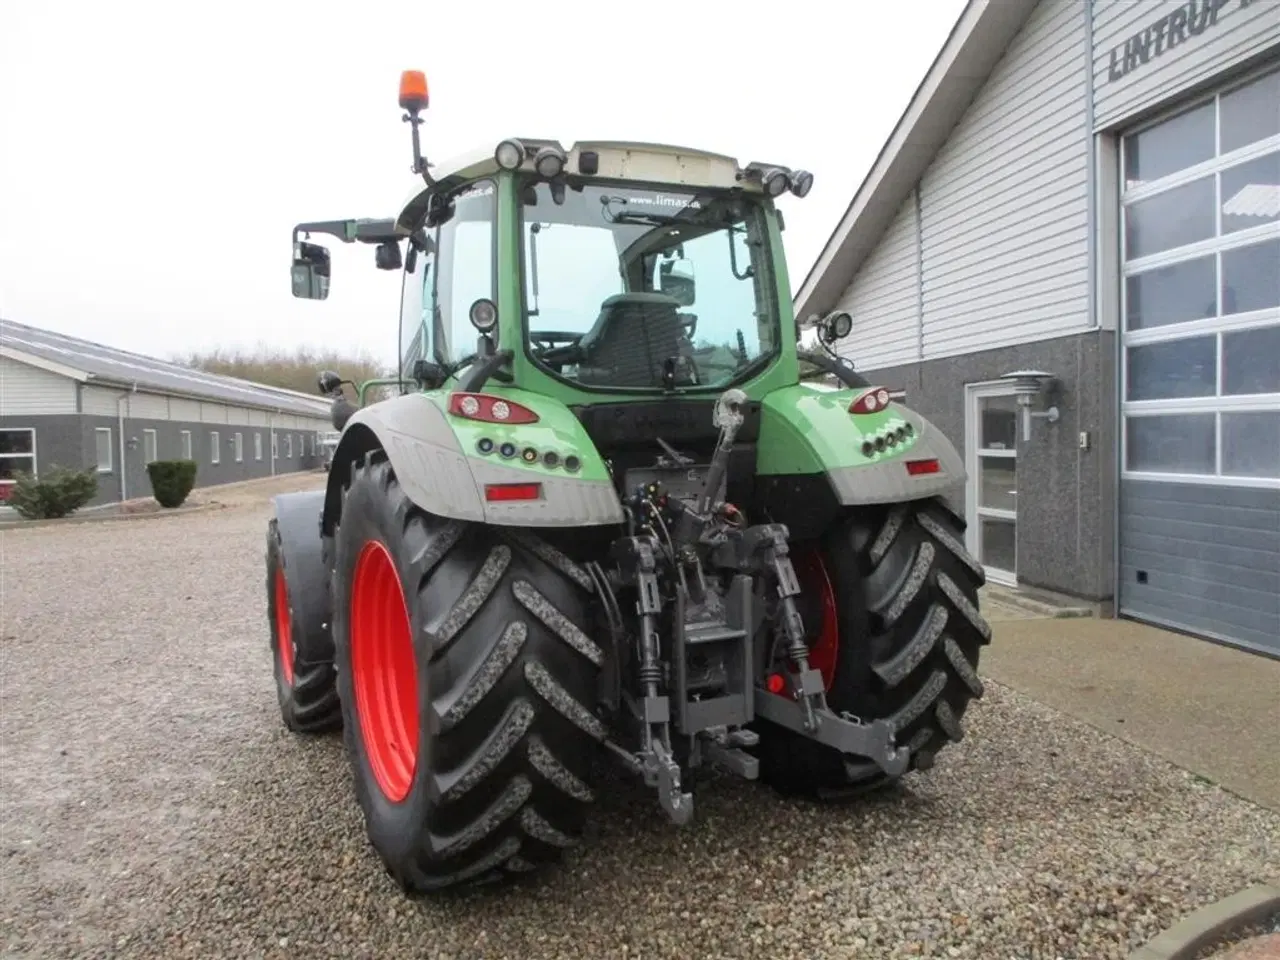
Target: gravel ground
{"type": "Point", "coordinates": [151, 805]}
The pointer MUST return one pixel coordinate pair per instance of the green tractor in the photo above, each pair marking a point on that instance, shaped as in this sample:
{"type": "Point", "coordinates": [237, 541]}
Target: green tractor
{"type": "Point", "coordinates": [602, 514]}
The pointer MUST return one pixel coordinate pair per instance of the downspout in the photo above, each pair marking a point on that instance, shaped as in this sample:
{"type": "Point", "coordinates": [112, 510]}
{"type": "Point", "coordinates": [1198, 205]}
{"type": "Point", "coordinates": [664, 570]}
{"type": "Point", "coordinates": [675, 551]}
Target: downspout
{"type": "Point", "coordinates": [1095, 313]}
{"type": "Point", "coordinates": [120, 431]}
{"type": "Point", "coordinates": [1091, 171]}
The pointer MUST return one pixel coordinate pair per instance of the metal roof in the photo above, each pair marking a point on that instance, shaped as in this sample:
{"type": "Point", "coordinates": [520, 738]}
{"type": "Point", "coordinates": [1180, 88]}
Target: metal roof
{"type": "Point", "coordinates": [91, 362]}
{"type": "Point", "coordinates": [977, 41]}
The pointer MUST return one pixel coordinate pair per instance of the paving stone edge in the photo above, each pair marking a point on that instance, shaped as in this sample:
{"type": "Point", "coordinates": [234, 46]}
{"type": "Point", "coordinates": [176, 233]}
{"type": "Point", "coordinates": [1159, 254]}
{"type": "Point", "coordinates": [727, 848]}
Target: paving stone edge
{"type": "Point", "coordinates": [1212, 923]}
{"type": "Point", "coordinates": [111, 517]}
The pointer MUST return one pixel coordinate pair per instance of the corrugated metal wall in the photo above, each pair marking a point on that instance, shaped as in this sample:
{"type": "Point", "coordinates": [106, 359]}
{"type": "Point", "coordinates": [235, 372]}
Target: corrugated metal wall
{"type": "Point", "coordinates": [999, 251]}
{"type": "Point", "coordinates": [1209, 37]}
{"type": "Point", "coordinates": [883, 299]}
{"type": "Point", "coordinates": [1004, 205]}
{"type": "Point", "coordinates": [29, 391]}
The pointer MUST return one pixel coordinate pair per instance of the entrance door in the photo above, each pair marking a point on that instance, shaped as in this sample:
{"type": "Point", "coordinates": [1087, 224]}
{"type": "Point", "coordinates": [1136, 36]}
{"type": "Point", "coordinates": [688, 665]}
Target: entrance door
{"type": "Point", "coordinates": [991, 451]}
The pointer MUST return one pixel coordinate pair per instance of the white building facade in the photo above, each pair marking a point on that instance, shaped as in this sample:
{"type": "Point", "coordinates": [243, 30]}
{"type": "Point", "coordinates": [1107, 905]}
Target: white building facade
{"type": "Point", "coordinates": [1091, 189]}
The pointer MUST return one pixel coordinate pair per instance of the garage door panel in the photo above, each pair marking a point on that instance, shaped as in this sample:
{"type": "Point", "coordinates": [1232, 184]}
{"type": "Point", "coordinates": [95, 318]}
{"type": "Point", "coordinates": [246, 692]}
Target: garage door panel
{"type": "Point", "coordinates": [1248, 539]}
{"type": "Point", "coordinates": [1209, 554]}
{"type": "Point", "coordinates": [1249, 566]}
{"type": "Point", "coordinates": [1194, 596]}
{"type": "Point", "coordinates": [1222, 621]}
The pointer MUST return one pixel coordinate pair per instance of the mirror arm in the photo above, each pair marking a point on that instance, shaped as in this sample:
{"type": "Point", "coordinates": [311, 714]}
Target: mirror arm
{"type": "Point", "coordinates": [364, 230]}
{"type": "Point", "coordinates": [839, 369]}
{"type": "Point", "coordinates": [479, 375]}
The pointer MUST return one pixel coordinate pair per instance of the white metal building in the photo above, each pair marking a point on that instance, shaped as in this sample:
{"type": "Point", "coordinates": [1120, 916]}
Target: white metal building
{"type": "Point", "coordinates": [74, 403]}
{"type": "Point", "coordinates": [1091, 189]}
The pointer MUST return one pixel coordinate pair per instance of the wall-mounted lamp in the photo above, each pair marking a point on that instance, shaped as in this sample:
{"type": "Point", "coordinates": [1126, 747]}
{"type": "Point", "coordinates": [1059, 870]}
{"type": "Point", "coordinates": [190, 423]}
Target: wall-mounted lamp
{"type": "Point", "coordinates": [1027, 385]}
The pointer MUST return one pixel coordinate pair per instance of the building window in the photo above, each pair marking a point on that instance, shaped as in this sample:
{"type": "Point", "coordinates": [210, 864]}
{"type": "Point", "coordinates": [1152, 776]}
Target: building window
{"type": "Point", "coordinates": [149, 446]}
{"type": "Point", "coordinates": [288, 446]}
{"type": "Point", "coordinates": [186, 445]}
{"type": "Point", "coordinates": [17, 456]}
{"type": "Point", "coordinates": [215, 447]}
{"type": "Point", "coordinates": [1201, 291]}
{"type": "Point", "coordinates": [313, 444]}
{"type": "Point", "coordinates": [257, 445]}
{"type": "Point", "coordinates": [275, 446]}
{"type": "Point", "coordinates": [102, 447]}
{"type": "Point", "coordinates": [238, 444]}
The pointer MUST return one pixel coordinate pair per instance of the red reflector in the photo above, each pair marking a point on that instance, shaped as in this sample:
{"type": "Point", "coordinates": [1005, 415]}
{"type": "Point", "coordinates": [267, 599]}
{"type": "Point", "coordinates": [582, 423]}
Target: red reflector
{"type": "Point", "coordinates": [873, 401]}
{"type": "Point", "coordinates": [775, 683]}
{"type": "Point", "coordinates": [489, 409]}
{"type": "Point", "coordinates": [502, 492]}
{"type": "Point", "coordinates": [918, 468]}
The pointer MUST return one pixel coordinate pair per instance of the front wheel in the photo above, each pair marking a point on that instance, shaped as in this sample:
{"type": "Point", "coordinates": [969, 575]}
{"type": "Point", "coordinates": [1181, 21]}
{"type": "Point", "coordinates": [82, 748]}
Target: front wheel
{"type": "Point", "coordinates": [467, 681]}
{"type": "Point", "coordinates": [890, 602]}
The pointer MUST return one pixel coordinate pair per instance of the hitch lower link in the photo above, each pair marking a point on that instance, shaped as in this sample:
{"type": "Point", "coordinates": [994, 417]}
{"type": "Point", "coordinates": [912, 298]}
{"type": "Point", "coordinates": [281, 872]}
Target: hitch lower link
{"type": "Point", "coordinates": [805, 709]}
{"type": "Point", "coordinates": [655, 761]}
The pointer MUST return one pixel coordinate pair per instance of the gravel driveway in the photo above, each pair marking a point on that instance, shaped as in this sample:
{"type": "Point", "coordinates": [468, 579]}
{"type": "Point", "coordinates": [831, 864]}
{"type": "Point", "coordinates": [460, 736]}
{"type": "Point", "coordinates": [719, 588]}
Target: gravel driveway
{"type": "Point", "coordinates": [152, 805]}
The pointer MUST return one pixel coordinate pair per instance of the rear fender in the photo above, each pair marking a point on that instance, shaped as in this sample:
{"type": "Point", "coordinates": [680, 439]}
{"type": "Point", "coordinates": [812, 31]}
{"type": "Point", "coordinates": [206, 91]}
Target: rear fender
{"type": "Point", "coordinates": [436, 460]}
{"type": "Point", "coordinates": [808, 430]}
{"type": "Point", "coordinates": [305, 571]}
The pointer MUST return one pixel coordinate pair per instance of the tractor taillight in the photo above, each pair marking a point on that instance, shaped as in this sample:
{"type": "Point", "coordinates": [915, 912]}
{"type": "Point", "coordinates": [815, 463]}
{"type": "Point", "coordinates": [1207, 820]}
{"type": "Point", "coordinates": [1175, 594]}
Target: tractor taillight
{"type": "Point", "coordinates": [489, 409]}
{"type": "Point", "coordinates": [873, 401]}
{"type": "Point", "coordinates": [919, 468]}
{"type": "Point", "coordinates": [507, 492]}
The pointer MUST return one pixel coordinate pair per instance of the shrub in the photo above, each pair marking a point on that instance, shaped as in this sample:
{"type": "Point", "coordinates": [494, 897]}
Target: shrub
{"type": "Point", "coordinates": [58, 492]}
{"type": "Point", "coordinates": [171, 480]}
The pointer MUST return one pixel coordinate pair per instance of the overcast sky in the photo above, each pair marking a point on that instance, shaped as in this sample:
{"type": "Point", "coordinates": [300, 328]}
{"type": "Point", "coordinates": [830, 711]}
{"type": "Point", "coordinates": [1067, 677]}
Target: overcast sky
{"type": "Point", "coordinates": [154, 156]}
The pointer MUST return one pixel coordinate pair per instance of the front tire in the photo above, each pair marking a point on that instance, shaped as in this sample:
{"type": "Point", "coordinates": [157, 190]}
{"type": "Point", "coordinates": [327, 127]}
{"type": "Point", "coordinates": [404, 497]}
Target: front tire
{"type": "Point", "coordinates": [897, 592]}
{"type": "Point", "coordinates": [467, 679]}
{"type": "Point", "coordinates": [305, 684]}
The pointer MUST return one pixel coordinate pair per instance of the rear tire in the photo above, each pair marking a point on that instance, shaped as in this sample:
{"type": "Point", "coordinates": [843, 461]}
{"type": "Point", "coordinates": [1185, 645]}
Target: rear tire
{"type": "Point", "coordinates": [905, 594]}
{"type": "Point", "coordinates": [471, 734]}
{"type": "Point", "coordinates": [305, 684]}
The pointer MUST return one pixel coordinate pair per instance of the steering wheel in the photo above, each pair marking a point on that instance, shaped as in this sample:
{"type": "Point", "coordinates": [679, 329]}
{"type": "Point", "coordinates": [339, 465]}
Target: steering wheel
{"type": "Point", "coordinates": [548, 339]}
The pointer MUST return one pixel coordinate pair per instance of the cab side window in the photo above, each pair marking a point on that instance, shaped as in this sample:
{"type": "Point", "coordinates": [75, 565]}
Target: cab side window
{"type": "Point", "coordinates": [417, 296]}
{"type": "Point", "coordinates": [467, 271]}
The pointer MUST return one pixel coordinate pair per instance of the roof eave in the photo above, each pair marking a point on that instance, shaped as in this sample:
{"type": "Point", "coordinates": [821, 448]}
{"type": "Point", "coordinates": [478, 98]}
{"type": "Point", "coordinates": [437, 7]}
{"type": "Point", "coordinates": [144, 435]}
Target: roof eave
{"type": "Point", "coordinates": [42, 363]}
{"type": "Point", "coordinates": [287, 405]}
{"type": "Point", "coordinates": [978, 40]}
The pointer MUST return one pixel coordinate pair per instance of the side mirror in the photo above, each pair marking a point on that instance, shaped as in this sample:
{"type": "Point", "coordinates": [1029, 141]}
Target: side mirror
{"type": "Point", "coordinates": [835, 326]}
{"type": "Point", "coordinates": [675, 279]}
{"type": "Point", "coordinates": [387, 256]}
{"type": "Point", "coordinates": [329, 383]}
{"type": "Point", "coordinates": [310, 272]}
{"type": "Point", "coordinates": [340, 411]}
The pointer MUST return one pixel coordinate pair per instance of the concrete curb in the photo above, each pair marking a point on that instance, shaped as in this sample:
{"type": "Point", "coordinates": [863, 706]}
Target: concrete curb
{"type": "Point", "coordinates": [1211, 924]}
{"type": "Point", "coordinates": [182, 511]}
{"type": "Point", "coordinates": [1040, 609]}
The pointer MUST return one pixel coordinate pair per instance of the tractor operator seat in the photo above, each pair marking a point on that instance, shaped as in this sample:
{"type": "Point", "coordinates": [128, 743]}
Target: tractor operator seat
{"type": "Point", "coordinates": [631, 339]}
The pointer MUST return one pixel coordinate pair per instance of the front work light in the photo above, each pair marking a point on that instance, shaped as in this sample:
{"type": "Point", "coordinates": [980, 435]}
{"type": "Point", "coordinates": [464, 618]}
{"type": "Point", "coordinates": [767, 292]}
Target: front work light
{"type": "Point", "coordinates": [549, 162]}
{"type": "Point", "coordinates": [801, 182]}
{"type": "Point", "coordinates": [509, 155]}
{"type": "Point", "coordinates": [775, 181]}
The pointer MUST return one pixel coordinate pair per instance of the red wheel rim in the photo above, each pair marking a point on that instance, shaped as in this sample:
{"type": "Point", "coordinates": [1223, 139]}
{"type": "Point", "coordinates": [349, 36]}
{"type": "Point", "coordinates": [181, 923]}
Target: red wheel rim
{"type": "Point", "coordinates": [384, 672]}
{"type": "Point", "coordinates": [284, 627]}
{"type": "Point", "coordinates": [824, 648]}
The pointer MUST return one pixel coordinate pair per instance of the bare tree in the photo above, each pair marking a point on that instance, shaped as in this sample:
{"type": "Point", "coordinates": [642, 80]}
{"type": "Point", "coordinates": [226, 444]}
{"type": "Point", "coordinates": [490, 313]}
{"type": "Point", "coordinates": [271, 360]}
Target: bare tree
{"type": "Point", "coordinates": [290, 370]}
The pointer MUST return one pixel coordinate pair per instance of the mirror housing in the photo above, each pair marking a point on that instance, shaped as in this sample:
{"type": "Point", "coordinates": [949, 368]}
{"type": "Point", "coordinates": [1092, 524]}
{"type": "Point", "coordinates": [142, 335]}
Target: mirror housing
{"type": "Point", "coordinates": [340, 411]}
{"type": "Point", "coordinates": [310, 271]}
{"type": "Point", "coordinates": [387, 256]}
{"type": "Point", "coordinates": [675, 279]}
{"type": "Point", "coordinates": [329, 383]}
